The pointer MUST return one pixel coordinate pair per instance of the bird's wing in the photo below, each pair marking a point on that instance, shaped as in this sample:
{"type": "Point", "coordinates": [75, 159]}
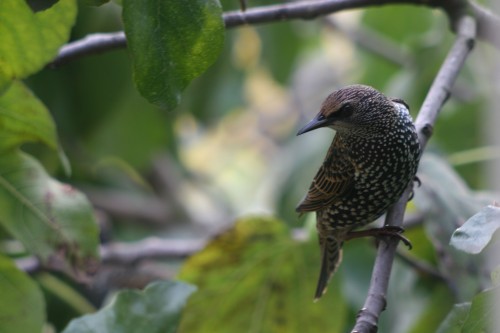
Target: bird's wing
{"type": "Point", "coordinates": [334, 180]}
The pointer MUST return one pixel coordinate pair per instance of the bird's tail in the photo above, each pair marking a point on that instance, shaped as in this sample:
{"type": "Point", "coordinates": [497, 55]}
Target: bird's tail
{"type": "Point", "coordinates": [331, 256]}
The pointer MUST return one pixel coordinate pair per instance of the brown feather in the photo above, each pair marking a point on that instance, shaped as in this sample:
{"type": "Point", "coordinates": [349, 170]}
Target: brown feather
{"type": "Point", "coordinates": [334, 180]}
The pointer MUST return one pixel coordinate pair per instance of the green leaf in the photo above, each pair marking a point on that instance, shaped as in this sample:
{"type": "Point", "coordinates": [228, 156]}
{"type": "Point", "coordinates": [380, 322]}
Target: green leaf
{"type": "Point", "coordinates": [171, 43]}
{"type": "Point", "coordinates": [23, 118]}
{"type": "Point", "coordinates": [53, 220]}
{"type": "Point", "coordinates": [155, 310]}
{"type": "Point", "coordinates": [454, 322]}
{"type": "Point", "coordinates": [476, 316]}
{"type": "Point", "coordinates": [29, 40]}
{"type": "Point", "coordinates": [255, 278]}
{"type": "Point", "coordinates": [94, 2]}
{"type": "Point", "coordinates": [22, 308]}
{"type": "Point", "coordinates": [482, 312]}
{"type": "Point", "coordinates": [476, 232]}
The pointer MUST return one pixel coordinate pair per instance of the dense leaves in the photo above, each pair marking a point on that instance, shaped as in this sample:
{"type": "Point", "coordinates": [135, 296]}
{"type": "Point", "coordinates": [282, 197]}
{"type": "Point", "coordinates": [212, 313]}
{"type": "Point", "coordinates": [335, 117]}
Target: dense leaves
{"type": "Point", "coordinates": [51, 219]}
{"type": "Point", "coordinates": [229, 151]}
{"type": "Point", "coordinates": [154, 310]}
{"type": "Point", "coordinates": [171, 43]}
{"type": "Point", "coordinates": [448, 202]}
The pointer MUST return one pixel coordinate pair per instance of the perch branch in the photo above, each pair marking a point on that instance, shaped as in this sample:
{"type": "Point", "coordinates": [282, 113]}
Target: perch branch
{"type": "Point", "coordinates": [488, 22]}
{"type": "Point", "coordinates": [438, 94]}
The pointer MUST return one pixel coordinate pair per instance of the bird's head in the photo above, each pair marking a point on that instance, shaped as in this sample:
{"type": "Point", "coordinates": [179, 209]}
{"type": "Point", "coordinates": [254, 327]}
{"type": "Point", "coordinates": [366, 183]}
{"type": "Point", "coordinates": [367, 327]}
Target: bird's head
{"type": "Point", "coordinates": [352, 108]}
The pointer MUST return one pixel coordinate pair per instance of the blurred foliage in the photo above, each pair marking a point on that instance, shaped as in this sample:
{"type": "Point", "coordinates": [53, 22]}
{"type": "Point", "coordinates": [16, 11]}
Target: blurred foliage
{"type": "Point", "coordinates": [20, 296]}
{"type": "Point", "coordinates": [156, 309]}
{"type": "Point", "coordinates": [229, 150]}
{"type": "Point", "coordinates": [254, 277]}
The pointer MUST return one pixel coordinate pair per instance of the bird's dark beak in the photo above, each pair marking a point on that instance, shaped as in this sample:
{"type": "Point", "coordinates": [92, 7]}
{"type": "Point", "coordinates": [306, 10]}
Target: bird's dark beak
{"type": "Point", "coordinates": [317, 122]}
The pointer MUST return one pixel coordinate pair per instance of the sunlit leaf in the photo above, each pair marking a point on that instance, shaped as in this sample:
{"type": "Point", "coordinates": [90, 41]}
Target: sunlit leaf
{"type": "Point", "coordinates": [28, 39]}
{"type": "Point", "coordinates": [24, 118]}
{"type": "Point", "coordinates": [155, 310]}
{"type": "Point", "coordinates": [254, 277]}
{"type": "Point", "coordinates": [22, 308]}
{"type": "Point", "coordinates": [53, 220]}
{"type": "Point", "coordinates": [476, 232]}
{"type": "Point", "coordinates": [171, 43]}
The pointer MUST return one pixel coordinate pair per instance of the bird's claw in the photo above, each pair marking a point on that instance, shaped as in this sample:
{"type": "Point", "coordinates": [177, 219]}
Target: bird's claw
{"type": "Point", "coordinates": [387, 230]}
{"type": "Point", "coordinates": [419, 183]}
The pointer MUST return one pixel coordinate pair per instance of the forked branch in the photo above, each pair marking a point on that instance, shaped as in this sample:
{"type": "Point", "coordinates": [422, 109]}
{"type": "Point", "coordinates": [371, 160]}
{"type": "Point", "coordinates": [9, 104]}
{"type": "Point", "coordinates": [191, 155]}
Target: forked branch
{"type": "Point", "coordinates": [488, 23]}
{"type": "Point", "coordinates": [438, 94]}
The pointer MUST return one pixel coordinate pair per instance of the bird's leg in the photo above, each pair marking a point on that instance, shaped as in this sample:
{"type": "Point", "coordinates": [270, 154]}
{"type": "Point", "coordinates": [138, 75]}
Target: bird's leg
{"type": "Point", "coordinates": [387, 230]}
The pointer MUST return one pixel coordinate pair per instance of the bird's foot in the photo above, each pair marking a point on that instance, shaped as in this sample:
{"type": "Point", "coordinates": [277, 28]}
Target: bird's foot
{"type": "Point", "coordinates": [387, 230]}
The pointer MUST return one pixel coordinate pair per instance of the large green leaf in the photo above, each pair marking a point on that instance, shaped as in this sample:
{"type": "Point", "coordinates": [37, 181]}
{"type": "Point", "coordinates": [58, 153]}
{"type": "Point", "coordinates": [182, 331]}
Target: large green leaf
{"type": "Point", "coordinates": [53, 220]}
{"type": "Point", "coordinates": [24, 118]}
{"type": "Point", "coordinates": [29, 40]}
{"type": "Point", "coordinates": [22, 308]}
{"type": "Point", "coordinates": [255, 278]}
{"type": "Point", "coordinates": [155, 310]}
{"type": "Point", "coordinates": [455, 320]}
{"type": "Point", "coordinates": [171, 43]}
{"type": "Point", "coordinates": [476, 316]}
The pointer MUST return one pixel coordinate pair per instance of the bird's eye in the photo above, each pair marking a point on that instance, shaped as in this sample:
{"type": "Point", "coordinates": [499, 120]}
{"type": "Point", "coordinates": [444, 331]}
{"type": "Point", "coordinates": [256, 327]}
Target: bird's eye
{"type": "Point", "coordinates": [344, 111]}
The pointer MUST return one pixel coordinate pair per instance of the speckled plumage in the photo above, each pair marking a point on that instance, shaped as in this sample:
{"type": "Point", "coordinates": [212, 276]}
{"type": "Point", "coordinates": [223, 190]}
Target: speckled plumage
{"type": "Point", "coordinates": [373, 157]}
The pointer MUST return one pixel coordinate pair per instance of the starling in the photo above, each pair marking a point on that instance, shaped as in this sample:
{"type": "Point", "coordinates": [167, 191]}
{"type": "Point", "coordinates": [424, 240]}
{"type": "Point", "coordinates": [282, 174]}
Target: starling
{"type": "Point", "coordinates": [373, 157]}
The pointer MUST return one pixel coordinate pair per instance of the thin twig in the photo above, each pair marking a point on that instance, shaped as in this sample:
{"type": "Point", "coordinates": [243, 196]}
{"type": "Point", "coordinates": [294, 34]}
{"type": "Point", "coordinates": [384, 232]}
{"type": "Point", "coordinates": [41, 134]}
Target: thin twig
{"type": "Point", "coordinates": [91, 44]}
{"type": "Point", "coordinates": [150, 248]}
{"type": "Point", "coordinates": [488, 23]}
{"type": "Point", "coordinates": [375, 302]}
{"type": "Point", "coordinates": [130, 253]}
{"type": "Point", "coordinates": [374, 42]}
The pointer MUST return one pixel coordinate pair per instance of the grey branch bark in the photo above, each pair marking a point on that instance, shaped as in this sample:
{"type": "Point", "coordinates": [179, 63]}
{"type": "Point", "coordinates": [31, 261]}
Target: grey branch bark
{"type": "Point", "coordinates": [150, 248]}
{"type": "Point", "coordinates": [438, 94]}
{"type": "Point", "coordinates": [91, 44]}
{"type": "Point", "coordinates": [488, 23]}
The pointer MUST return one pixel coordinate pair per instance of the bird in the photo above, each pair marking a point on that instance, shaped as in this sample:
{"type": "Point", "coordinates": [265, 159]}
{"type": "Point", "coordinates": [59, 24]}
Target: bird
{"type": "Point", "coordinates": [372, 159]}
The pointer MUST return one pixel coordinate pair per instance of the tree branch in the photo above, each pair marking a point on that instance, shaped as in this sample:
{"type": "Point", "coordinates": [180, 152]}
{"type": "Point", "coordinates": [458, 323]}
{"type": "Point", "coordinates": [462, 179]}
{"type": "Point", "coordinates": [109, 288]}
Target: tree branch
{"type": "Point", "coordinates": [91, 44]}
{"type": "Point", "coordinates": [375, 302]}
{"type": "Point", "coordinates": [488, 23]}
{"type": "Point", "coordinates": [150, 248]}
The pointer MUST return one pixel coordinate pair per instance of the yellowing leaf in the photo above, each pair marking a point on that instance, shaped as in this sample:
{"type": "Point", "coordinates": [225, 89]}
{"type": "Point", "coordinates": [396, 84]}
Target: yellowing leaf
{"type": "Point", "coordinates": [255, 278]}
{"type": "Point", "coordinates": [53, 220]}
